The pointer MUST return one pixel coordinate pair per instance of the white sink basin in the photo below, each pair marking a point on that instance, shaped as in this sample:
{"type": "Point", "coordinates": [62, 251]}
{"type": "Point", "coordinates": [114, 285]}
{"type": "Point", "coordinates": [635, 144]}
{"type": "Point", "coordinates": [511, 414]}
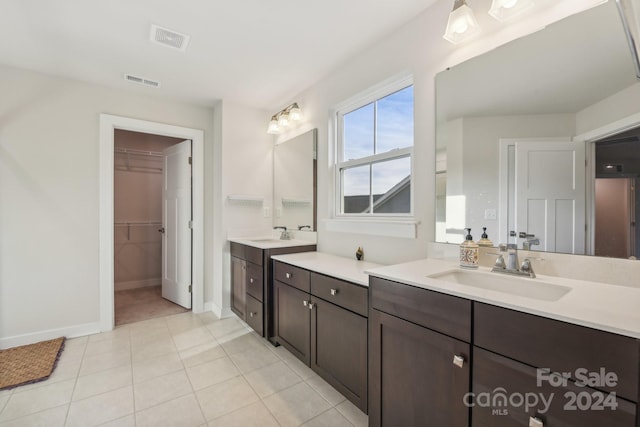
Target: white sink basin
{"type": "Point", "coordinates": [267, 240]}
{"type": "Point", "coordinates": [514, 285]}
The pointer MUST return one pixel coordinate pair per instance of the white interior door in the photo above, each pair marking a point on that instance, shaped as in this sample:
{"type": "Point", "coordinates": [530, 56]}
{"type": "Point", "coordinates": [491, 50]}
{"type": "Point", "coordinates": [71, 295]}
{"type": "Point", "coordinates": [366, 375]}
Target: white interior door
{"type": "Point", "coordinates": [176, 219]}
{"type": "Point", "coordinates": [550, 194]}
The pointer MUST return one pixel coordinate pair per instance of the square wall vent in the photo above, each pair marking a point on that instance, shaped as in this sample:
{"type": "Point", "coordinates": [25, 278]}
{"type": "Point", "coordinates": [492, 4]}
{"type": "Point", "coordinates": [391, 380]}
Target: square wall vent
{"type": "Point", "coordinates": [141, 80]}
{"type": "Point", "coordinates": [169, 38]}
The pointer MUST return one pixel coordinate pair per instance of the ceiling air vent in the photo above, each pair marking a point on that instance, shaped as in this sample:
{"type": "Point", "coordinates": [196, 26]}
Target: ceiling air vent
{"type": "Point", "coordinates": [141, 80]}
{"type": "Point", "coordinates": [169, 38]}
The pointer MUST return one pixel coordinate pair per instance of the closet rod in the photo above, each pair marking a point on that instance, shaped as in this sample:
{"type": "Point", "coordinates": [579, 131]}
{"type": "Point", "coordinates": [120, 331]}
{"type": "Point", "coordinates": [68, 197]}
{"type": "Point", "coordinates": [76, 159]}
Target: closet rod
{"type": "Point", "coordinates": [137, 152]}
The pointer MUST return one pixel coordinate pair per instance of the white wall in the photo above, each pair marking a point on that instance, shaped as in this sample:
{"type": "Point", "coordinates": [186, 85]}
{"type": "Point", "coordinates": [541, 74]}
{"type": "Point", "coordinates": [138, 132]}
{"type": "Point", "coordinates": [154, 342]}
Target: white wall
{"type": "Point", "coordinates": [49, 248]}
{"type": "Point", "coordinates": [417, 47]}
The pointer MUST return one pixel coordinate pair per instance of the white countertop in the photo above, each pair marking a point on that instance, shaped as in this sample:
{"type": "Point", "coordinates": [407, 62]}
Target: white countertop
{"type": "Point", "coordinates": [271, 242]}
{"type": "Point", "coordinates": [348, 269]}
{"type": "Point", "coordinates": [606, 307]}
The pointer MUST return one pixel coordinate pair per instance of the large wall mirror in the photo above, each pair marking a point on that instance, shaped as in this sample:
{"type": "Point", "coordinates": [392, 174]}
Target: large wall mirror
{"type": "Point", "coordinates": [294, 182]}
{"type": "Point", "coordinates": [515, 127]}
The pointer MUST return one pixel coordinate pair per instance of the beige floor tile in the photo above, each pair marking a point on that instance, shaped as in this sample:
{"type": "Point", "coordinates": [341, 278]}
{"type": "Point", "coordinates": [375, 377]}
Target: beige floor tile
{"type": "Point", "coordinates": [296, 405]}
{"type": "Point", "coordinates": [153, 349]}
{"type": "Point", "coordinates": [104, 361]}
{"type": "Point", "coordinates": [101, 408]}
{"type": "Point", "coordinates": [253, 415]}
{"type": "Point", "coordinates": [273, 378]}
{"type": "Point", "coordinates": [211, 373]}
{"type": "Point", "coordinates": [73, 349]}
{"type": "Point", "coordinates": [226, 327]}
{"type": "Point", "coordinates": [192, 337]}
{"type": "Point", "coordinates": [222, 398]}
{"type": "Point", "coordinates": [119, 343]}
{"type": "Point", "coordinates": [326, 390]}
{"type": "Point", "coordinates": [128, 421]}
{"type": "Point", "coordinates": [184, 412]}
{"type": "Point", "coordinates": [156, 367]}
{"type": "Point", "coordinates": [299, 368]}
{"type": "Point", "coordinates": [4, 398]}
{"type": "Point", "coordinates": [254, 358]}
{"type": "Point", "coordinates": [353, 414]}
{"type": "Point", "coordinates": [54, 417]}
{"type": "Point", "coordinates": [183, 322]}
{"type": "Point", "coordinates": [161, 389]}
{"type": "Point", "coordinates": [241, 343]}
{"type": "Point", "coordinates": [202, 353]}
{"type": "Point", "coordinates": [118, 333]}
{"type": "Point", "coordinates": [101, 382]}
{"type": "Point", "coordinates": [331, 418]}
{"type": "Point", "coordinates": [28, 402]}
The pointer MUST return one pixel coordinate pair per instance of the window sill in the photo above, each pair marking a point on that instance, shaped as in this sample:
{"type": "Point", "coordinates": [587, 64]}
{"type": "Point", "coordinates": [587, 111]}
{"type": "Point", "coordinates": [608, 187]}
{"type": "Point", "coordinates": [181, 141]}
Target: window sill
{"type": "Point", "coordinates": [406, 229]}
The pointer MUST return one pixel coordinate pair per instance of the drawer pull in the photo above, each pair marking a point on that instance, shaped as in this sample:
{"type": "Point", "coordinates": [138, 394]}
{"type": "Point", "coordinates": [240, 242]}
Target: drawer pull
{"type": "Point", "coordinates": [334, 291]}
{"type": "Point", "coordinates": [458, 361]}
{"type": "Point", "coordinates": [288, 275]}
{"type": "Point", "coordinates": [251, 280]}
{"type": "Point", "coordinates": [251, 314]}
{"type": "Point", "coordinates": [535, 422]}
{"type": "Point", "coordinates": [305, 303]}
{"type": "Point", "coordinates": [310, 306]}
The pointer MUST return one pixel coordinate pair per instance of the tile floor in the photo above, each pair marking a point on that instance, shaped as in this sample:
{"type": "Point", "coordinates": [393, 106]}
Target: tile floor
{"type": "Point", "coordinates": [135, 305]}
{"type": "Point", "coordinates": [181, 370]}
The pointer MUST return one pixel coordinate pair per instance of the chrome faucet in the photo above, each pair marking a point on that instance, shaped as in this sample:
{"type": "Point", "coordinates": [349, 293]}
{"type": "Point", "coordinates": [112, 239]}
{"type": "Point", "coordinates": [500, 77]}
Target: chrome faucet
{"type": "Point", "coordinates": [511, 266]}
{"type": "Point", "coordinates": [302, 227]}
{"type": "Point", "coordinates": [285, 235]}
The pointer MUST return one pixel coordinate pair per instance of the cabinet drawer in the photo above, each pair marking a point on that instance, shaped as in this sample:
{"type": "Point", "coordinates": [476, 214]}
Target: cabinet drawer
{"type": "Point", "coordinates": [293, 276]}
{"type": "Point", "coordinates": [555, 404]}
{"type": "Point", "coordinates": [245, 252]}
{"type": "Point", "coordinates": [254, 281]}
{"type": "Point", "coordinates": [559, 346]}
{"type": "Point", "coordinates": [443, 313]}
{"type": "Point", "coordinates": [254, 314]}
{"type": "Point", "coordinates": [344, 294]}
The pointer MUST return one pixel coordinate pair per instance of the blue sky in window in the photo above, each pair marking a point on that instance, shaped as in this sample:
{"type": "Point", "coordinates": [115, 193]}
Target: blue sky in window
{"type": "Point", "coordinates": [394, 130]}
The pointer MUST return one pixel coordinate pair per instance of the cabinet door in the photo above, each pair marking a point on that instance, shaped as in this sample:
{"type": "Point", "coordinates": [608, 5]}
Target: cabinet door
{"type": "Point", "coordinates": [339, 349]}
{"type": "Point", "coordinates": [292, 317]}
{"type": "Point", "coordinates": [254, 314]}
{"type": "Point", "coordinates": [413, 380]}
{"type": "Point", "coordinates": [238, 287]}
{"type": "Point", "coordinates": [508, 393]}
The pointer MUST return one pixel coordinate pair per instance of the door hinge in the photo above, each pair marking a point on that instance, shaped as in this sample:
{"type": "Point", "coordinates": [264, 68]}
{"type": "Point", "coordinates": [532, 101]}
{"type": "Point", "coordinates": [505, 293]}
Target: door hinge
{"type": "Point", "coordinates": [190, 160]}
{"type": "Point", "coordinates": [190, 287]}
{"type": "Point", "coordinates": [190, 224]}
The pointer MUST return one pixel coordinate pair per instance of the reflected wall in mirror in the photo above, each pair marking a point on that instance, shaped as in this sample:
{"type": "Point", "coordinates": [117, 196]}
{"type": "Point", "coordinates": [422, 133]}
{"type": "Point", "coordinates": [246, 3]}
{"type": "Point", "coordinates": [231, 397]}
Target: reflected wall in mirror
{"type": "Point", "coordinates": [294, 182]}
{"type": "Point", "coordinates": [515, 125]}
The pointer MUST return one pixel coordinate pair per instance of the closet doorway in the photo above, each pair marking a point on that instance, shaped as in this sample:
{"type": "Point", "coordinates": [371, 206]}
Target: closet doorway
{"type": "Point", "coordinates": [152, 238]}
{"type": "Point", "coordinates": [108, 125]}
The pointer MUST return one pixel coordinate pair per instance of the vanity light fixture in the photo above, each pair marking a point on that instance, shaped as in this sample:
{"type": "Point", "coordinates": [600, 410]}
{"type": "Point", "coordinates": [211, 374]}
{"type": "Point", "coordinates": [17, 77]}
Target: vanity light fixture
{"type": "Point", "coordinates": [503, 10]}
{"type": "Point", "coordinates": [284, 118]}
{"type": "Point", "coordinates": [462, 23]}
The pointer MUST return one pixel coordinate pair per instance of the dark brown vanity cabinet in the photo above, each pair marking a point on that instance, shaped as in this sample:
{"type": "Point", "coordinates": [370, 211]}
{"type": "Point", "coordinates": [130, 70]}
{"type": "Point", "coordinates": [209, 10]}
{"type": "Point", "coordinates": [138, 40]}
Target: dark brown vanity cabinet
{"type": "Point", "coordinates": [251, 294]}
{"type": "Point", "coordinates": [323, 322]}
{"type": "Point", "coordinates": [419, 356]}
{"type": "Point", "coordinates": [551, 373]}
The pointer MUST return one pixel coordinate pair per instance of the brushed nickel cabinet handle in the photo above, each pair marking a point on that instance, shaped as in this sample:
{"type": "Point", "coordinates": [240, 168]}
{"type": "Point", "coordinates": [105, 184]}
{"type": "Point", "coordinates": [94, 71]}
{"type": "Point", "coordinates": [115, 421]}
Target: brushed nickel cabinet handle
{"type": "Point", "coordinates": [311, 306]}
{"type": "Point", "coordinates": [334, 291]}
{"type": "Point", "coordinates": [535, 422]}
{"type": "Point", "coordinates": [287, 275]}
{"type": "Point", "coordinates": [251, 280]}
{"type": "Point", "coordinates": [458, 361]}
{"type": "Point", "coordinates": [251, 314]}
{"type": "Point", "coordinates": [305, 303]}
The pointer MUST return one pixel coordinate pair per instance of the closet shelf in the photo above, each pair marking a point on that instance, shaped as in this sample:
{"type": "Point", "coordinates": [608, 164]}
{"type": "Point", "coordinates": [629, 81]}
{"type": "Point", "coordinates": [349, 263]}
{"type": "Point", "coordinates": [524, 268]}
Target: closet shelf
{"type": "Point", "coordinates": [245, 198]}
{"type": "Point", "coordinates": [129, 159]}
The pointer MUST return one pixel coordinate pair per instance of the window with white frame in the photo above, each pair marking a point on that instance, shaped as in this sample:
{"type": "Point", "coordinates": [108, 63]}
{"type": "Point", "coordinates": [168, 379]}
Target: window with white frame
{"type": "Point", "coordinates": [374, 148]}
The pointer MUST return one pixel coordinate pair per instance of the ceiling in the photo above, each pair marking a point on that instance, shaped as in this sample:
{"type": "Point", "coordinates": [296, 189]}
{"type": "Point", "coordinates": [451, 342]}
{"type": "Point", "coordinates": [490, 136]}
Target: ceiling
{"type": "Point", "coordinates": [252, 52]}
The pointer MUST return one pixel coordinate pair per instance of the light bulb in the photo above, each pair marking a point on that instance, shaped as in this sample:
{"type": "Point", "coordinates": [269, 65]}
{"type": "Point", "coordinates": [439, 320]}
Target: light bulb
{"type": "Point", "coordinates": [273, 126]}
{"type": "Point", "coordinates": [295, 114]}
{"type": "Point", "coordinates": [283, 120]}
{"type": "Point", "coordinates": [462, 23]}
{"type": "Point", "coordinates": [503, 10]}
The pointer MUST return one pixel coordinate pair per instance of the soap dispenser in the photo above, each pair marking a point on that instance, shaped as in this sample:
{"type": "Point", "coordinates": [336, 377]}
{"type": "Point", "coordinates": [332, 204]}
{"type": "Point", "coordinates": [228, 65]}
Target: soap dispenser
{"type": "Point", "coordinates": [469, 251]}
{"type": "Point", "coordinates": [484, 241]}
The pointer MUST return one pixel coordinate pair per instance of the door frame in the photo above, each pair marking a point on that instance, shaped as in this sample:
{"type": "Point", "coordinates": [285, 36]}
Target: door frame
{"type": "Point", "coordinates": [108, 124]}
{"type": "Point", "coordinates": [590, 138]}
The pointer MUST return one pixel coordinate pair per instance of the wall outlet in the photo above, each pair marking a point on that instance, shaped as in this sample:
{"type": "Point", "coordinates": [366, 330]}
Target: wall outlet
{"type": "Point", "coordinates": [490, 214]}
{"type": "Point", "coordinates": [266, 212]}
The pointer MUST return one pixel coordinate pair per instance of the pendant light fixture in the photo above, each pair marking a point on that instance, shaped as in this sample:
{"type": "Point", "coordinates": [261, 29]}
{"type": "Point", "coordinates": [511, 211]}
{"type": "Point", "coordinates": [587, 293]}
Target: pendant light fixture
{"type": "Point", "coordinates": [462, 23]}
{"type": "Point", "coordinates": [503, 10]}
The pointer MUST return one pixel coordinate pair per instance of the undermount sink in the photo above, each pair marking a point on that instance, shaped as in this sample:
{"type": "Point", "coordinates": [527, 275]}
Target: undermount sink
{"type": "Point", "coordinates": [267, 240]}
{"type": "Point", "coordinates": [523, 287]}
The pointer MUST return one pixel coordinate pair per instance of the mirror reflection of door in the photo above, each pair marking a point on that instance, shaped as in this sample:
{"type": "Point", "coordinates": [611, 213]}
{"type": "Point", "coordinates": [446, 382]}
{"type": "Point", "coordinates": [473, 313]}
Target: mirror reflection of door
{"type": "Point", "coordinates": [617, 198]}
{"type": "Point", "coordinates": [545, 195]}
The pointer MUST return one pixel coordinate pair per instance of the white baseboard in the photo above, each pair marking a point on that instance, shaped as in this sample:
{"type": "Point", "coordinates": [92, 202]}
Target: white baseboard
{"type": "Point", "coordinates": [220, 313]}
{"type": "Point", "coordinates": [68, 332]}
{"type": "Point", "coordinates": [134, 284]}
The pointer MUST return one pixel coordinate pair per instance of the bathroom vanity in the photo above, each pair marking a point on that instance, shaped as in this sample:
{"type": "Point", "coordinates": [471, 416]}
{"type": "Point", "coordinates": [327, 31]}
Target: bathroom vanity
{"type": "Point", "coordinates": [444, 352]}
{"type": "Point", "coordinates": [321, 317]}
{"type": "Point", "coordinates": [251, 278]}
